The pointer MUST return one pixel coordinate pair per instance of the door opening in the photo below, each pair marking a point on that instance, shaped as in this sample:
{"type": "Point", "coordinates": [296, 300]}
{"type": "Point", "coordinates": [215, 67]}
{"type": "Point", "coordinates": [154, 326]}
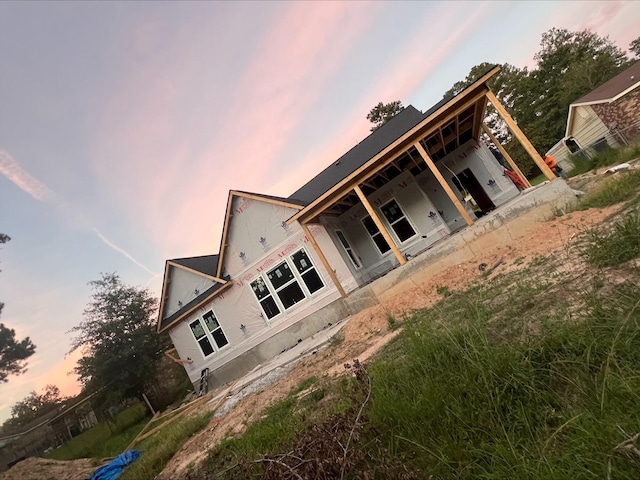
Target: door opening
{"type": "Point", "coordinates": [474, 195]}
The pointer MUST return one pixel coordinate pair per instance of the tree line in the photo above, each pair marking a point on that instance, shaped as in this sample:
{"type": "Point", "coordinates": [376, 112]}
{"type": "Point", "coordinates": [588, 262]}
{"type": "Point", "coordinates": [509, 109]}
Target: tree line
{"type": "Point", "coordinates": [568, 66]}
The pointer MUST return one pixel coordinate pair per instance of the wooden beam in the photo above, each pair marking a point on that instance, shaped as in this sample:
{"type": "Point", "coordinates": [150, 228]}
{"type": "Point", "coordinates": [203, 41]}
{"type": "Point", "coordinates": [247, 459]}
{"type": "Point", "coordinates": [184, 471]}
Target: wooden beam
{"type": "Point", "coordinates": [324, 260]}
{"type": "Point", "coordinates": [506, 155]}
{"type": "Point", "coordinates": [464, 100]}
{"type": "Point", "coordinates": [225, 231]}
{"type": "Point", "coordinates": [478, 118]}
{"type": "Point", "coordinates": [178, 360]}
{"type": "Point", "coordinates": [443, 183]}
{"type": "Point", "coordinates": [191, 270]}
{"type": "Point", "coordinates": [380, 225]}
{"type": "Point", "coordinates": [519, 134]}
{"type": "Point", "coordinates": [198, 305]}
{"type": "Point", "coordinates": [261, 198]}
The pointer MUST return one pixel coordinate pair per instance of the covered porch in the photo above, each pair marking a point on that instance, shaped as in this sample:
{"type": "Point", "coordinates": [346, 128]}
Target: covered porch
{"type": "Point", "coordinates": [433, 179]}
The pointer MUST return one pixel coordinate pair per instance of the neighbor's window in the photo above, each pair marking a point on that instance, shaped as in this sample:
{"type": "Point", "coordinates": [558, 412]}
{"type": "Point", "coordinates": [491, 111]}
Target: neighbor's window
{"type": "Point", "coordinates": [209, 333]}
{"type": "Point", "coordinates": [375, 234]}
{"type": "Point", "coordinates": [289, 282]}
{"type": "Point", "coordinates": [347, 248]}
{"type": "Point", "coordinates": [398, 220]}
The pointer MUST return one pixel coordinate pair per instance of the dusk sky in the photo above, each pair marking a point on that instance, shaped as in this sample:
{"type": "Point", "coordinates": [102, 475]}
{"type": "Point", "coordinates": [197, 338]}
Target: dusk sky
{"type": "Point", "coordinates": [123, 125]}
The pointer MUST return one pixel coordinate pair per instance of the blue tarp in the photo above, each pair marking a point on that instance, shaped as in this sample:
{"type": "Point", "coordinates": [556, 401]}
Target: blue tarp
{"type": "Point", "coordinates": [112, 470]}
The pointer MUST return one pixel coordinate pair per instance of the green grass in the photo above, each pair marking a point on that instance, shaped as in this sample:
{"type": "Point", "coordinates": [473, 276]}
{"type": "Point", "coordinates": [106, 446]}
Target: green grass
{"type": "Point", "coordinates": [158, 449]}
{"type": "Point", "coordinates": [527, 375]}
{"type": "Point", "coordinates": [607, 157]}
{"type": "Point", "coordinates": [538, 180]}
{"type": "Point", "coordinates": [105, 440]}
{"type": "Point", "coordinates": [624, 187]}
{"type": "Point", "coordinates": [616, 245]}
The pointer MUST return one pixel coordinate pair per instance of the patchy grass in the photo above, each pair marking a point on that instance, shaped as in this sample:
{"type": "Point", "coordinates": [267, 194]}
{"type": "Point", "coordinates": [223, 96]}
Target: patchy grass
{"type": "Point", "coordinates": [616, 245]}
{"type": "Point", "coordinates": [610, 156]}
{"type": "Point", "coordinates": [158, 449]}
{"type": "Point", "coordinates": [105, 440]}
{"type": "Point", "coordinates": [624, 187]}
{"type": "Point", "coordinates": [533, 374]}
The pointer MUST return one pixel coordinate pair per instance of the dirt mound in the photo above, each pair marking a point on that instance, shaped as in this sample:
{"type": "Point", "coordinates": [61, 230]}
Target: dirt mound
{"type": "Point", "coordinates": [34, 468]}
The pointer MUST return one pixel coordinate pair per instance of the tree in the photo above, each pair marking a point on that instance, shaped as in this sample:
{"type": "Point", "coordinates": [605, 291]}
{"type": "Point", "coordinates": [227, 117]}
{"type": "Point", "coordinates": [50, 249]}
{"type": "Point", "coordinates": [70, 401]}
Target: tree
{"type": "Point", "coordinates": [34, 405]}
{"type": "Point", "coordinates": [383, 112]}
{"type": "Point", "coordinates": [13, 353]}
{"type": "Point", "coordinates": [568, 66]}
{"type": "Point", "coordinates": [634, 47]}
{"type": "Point", "coordinates": [118, 339]}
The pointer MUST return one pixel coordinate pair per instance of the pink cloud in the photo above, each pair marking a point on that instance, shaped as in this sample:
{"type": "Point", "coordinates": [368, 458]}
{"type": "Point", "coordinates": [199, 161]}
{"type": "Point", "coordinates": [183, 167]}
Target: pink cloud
{"type": "Point", "coordinates": [423, 55]}
{"type": "Point", "coordinates": [181, 183]}
{"type": "Point", "coordinates": [13, 171]}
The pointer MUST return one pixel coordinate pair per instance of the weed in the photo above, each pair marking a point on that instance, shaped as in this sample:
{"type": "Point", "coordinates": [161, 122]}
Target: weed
{"type": "Point", "coordinates": [392, 323]}
{"type": "Point", "coordinates": [443, 290]}
{"type": "Point", "coordinates": [305, 384]}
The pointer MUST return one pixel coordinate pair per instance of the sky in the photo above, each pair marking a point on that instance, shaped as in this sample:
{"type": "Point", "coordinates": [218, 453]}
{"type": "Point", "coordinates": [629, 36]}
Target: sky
{"type": "Point", "coordinates": [123, 125]}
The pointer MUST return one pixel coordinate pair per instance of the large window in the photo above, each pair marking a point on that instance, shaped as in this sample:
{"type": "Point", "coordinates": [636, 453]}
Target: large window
{"type": "Point", "coordinates": [289, 282]}
{"type": "Point", "coordinates": [376, 235]}
{"type": "Point", "coordinates": [398, 220]}
{"type": "Point", "coordinates": [347, 248]}
{"type": "Point", "coordinates": [208, 333]}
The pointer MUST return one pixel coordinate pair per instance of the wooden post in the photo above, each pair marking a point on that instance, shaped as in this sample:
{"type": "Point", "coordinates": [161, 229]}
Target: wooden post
{"type": "Point", "coordinates": [519, 134]}
{"type": "Point", "coordinates": [380, 225]}
{"type": "Point", "coordinates": [324, 260]}
{"type": "Point", "coordinates": [506, 155]}
{"type": "Point", "coordinates": [443, 183]}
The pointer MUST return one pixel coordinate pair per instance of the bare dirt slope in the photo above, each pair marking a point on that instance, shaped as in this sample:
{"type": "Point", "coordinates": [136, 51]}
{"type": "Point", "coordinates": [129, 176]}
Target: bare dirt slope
{"type": "Point", "coordinates": [364, 334]}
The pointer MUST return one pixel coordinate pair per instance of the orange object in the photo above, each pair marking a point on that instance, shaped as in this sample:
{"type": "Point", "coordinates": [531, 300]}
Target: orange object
{"type": "Point", "coordinates": [515, 178]}
{"type": "Point", "coordinates": [551, 162]}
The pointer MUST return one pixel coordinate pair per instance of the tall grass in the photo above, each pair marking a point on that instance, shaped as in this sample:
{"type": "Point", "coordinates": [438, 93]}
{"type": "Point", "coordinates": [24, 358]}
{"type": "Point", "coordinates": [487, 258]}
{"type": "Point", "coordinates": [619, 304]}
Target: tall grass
{"type": "Point", "coordinates": [607, 248]}
{"type": "Point", "coordinates": [464, 401]}
{"type": "Point", "coordinates": [607, 157]}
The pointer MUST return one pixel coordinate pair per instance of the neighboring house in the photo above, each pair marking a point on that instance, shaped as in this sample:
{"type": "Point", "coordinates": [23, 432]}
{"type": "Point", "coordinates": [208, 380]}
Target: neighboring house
{"type": "Point", "coordinates": [608, 116]}
{"type": "Point", "coordinates": [285, 264]}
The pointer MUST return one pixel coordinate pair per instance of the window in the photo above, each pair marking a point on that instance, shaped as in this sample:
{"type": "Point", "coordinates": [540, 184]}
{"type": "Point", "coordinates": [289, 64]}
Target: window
{"type": "Point", "coordinates": [347, 248]}
{"type": "Point", "coordinates": [287, 286]}
{"type": "Point", "coordinates": [208, 334]}
{"type": "Point", "coordinates": [307, 271]}
{"type": "Point", "coordinates": [265, 298]}
{"type": "Point", "coordinates": [376, 235]}
{"type": "Point", "coordinates": [398, 221]}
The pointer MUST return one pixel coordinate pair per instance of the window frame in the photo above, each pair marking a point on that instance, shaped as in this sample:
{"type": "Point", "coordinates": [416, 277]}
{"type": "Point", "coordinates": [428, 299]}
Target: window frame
{"type": "Point", "coordinates": [348, 249]}
{"type": "Point", "coordinates": [298, 279]}
{"type": "Point", "coordinates": [208, 334]}
{"type": "Point", "coordinates": [371, 237]}
{"type": "Point", "coordinates": [403, 217]}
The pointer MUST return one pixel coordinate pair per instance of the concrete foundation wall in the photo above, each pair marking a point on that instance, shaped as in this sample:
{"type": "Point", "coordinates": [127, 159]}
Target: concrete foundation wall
{"type": "Point", "coordinates": [503, 226]}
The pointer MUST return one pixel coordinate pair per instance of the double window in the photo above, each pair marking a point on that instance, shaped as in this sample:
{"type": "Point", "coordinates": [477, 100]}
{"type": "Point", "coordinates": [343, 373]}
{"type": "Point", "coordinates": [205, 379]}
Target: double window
{"type": "Point", "coordinates": [208, 333]}
{"type": "Point", "coordinates": [397, 221]}
{"type": "Point", "coordinates": [289, 282]}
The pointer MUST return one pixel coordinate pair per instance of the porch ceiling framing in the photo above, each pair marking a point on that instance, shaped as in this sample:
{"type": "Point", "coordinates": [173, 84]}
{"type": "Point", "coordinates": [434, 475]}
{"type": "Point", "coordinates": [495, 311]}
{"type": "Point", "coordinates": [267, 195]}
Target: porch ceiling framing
{"type": "Point", "coordinates": [473, 94]}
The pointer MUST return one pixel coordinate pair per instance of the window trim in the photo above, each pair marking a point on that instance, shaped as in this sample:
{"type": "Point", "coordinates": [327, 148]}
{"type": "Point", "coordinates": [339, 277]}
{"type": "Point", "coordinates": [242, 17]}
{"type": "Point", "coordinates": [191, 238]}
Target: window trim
{"type": "Point", "coordinates": [353, 256]}
{"type": "Point", "coordinates": [297, 278]}
{"type": "Point", "coordinates": [375, 245]}
{"type": "Point", "coordinates": [208, 334]}
{"type": "Point", "coordinates": [404, 216]}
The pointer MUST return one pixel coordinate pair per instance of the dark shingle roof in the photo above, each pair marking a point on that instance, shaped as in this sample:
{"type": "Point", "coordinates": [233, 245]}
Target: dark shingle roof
{"type": "Point", "coordinates": [358, 155]}
{"type": "Point", "coordinates": [207, 264]}
{"type": "Point", "coordinates": [614, 86]}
